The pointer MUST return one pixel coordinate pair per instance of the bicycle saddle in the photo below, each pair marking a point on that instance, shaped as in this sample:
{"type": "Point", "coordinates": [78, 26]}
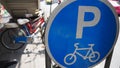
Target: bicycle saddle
{"type": "Point", "coordinates": [22, 21]}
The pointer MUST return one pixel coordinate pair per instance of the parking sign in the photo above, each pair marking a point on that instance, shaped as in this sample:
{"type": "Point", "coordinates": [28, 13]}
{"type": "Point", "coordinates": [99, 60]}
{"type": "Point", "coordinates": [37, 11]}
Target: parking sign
{"type": "Point", "coordinates": [81, 33]}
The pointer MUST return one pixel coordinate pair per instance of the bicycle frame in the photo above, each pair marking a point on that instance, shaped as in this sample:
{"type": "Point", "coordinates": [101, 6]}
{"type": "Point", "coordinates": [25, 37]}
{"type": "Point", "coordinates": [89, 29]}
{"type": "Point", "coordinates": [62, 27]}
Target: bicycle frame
{"type": "Point", "coordinates": [30, 29]}
{"type": "Point", "coordinates": [88, 52]}
{"type": "Point", "coordinates": [91, 55]}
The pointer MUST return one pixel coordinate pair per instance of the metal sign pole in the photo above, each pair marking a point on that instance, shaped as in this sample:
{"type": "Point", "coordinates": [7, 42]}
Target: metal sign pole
{"type": "Point", "coordinates": [47, 60]}
{"type": "Point", "coordinates": [108, 60]}
{"type": "Point", "coordinates": [50, 9]}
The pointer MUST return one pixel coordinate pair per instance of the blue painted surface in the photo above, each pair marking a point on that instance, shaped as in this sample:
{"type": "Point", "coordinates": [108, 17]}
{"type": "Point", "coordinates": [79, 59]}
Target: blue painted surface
{"type": "Point", "coordinates": [62, 34]}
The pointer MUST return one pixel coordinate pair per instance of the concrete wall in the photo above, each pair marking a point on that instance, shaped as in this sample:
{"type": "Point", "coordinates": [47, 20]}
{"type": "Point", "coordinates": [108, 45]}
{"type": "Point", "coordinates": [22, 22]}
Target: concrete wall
{"type": "Point", "coordinates": [18, 8]}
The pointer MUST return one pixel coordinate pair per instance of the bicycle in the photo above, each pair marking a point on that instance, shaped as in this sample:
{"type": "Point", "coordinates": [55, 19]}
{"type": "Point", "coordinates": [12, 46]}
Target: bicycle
{"type": "Point", "coordinates": [16, 35]}
{"type": "Point", "coordinates": [92, 55]}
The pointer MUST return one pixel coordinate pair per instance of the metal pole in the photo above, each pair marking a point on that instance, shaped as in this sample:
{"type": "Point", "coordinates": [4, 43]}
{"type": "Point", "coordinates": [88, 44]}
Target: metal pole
{"type": "Point", "coordinates": [47, 60]}
{"type": "Point", "coordinates": [50, 9]}
{"type": "Point", "coordinates": [108, 60]}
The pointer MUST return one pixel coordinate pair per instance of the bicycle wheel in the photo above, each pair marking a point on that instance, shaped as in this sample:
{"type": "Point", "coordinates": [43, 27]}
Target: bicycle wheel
{"type": "Point", "coordinates": [8, 41]}
{"type": "Point", "coordinates": [70, 59]}
{"type": "Point", "coordinates": [94, 57]}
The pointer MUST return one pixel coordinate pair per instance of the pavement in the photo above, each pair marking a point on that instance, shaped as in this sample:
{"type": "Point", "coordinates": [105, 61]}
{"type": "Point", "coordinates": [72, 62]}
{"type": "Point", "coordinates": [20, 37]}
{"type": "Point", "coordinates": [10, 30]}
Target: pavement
{"type": "Point", "coordinates": [30, 56]}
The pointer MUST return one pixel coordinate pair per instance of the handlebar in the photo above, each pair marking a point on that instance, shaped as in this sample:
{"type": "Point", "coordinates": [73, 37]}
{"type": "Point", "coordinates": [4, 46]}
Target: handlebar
{"type": "Point", "coordinates": [76, 45]}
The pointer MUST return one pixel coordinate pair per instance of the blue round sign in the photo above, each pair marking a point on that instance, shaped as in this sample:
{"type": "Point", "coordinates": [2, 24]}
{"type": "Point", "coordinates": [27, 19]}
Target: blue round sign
{"type": "Point", "coordinates": [81, 33]}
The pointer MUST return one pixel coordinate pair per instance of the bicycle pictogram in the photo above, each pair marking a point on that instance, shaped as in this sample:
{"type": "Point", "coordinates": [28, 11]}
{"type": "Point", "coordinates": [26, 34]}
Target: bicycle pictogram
{"type": "Point", "coordinates": [92, 55]}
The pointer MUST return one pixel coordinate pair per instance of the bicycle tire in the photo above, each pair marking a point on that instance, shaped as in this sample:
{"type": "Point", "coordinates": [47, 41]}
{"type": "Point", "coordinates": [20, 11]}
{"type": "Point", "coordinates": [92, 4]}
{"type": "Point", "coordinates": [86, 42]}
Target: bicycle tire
{"type": "Point", "coordinates": [8, 42]}
{"type": "Point", "coordinates": [68, 57]}
{"type": "Point", "coordinates": [94, 57]}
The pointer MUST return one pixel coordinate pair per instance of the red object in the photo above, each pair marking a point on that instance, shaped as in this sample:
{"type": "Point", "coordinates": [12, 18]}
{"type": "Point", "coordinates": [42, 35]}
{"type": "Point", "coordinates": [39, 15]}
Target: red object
{"type": "Point", "coordinates": [33, 26]}
{"type": "Point", "coordinates": [117, 9]}
{"type": "Point", "coordinates": [116, 5]}
{"type": "Point", "coordinates": [59, 1]}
